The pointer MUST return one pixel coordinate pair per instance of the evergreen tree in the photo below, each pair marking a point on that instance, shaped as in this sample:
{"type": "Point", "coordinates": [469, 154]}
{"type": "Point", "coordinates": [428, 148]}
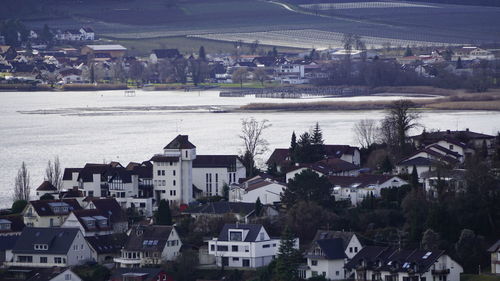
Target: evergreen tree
{"type": "Point", "coordinates": [249, 164]}
{"type": "Point", "coordinates": [163, 215]}
{"type": "Point", "coordinates": [201, 54]}
{"type": "Point", "coordinates": [484, 150]}
{"type": "Point", "coordinates": [308, 186]}
{"type": "Point", "coordinates": [272, 169]}
{"type": "Point", "coordinates": [430, 240]}
{"type": "Point", "coordinates": [288, 258]}
{"type": "Point", "coordinates": [304, 149]}
{"type": "Point", "coordinates": [293, 147]}
{"type": "Point", "coordinates": [414, 177]}
{"type": "Point", "coordinates": [318, 149]}
{"type": "Point", "coordinates": [46, 34]}
{"type": "Point", "coordinates": [225, 191]}
{"type": "Point", "coordinates": [408, 51]}
{"type": "Point", "coordinates": [459, 63]}
{"type": "Point", "coordinates": [258, 207]}
{"type": "Point", "coordinates": [386, 166]}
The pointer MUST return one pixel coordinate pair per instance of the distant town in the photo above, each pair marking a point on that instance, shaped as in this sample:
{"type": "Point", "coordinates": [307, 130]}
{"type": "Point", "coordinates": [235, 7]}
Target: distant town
{"type": "Point", "coordinates": [76, 59]}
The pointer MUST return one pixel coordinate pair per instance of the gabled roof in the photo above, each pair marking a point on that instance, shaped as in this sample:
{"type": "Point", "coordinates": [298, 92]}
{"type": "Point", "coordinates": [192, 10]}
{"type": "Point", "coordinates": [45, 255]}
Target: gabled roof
{"type": "Point", "coordinates": [163, 158]}
{"type": "Point", "coordinates": [107, 47]}
{"type": "Point", "coordinates": [180, 142]}
{"type": "Point", "coordinates": [107, 244]}
{"type": "Point", "coordinates": [253, 231]}
{"type": "Point", "coordinates": [495, 247]}
{"type": "Point", "coordinates": [391, 259]}
{"type": "Point", "coordinates": [458, 136]}
{"type": "Point", "coordinates": [58, 239]}
{"type": "Point", "coordinates": [332, 248]}
{"type": "Point", "coordinates": [345, 236]}
{"type": "Point", "coordinates": [46, 186]}
{"type": "Point", "coordinates": [143, 170]}
{"type": "Point", "coordinates": [148, 238]}
{"type": "Point", "coordinates": [47, 274]}
{"type": "Point", "coordinates": [418, 161]}
{"type": "Point", "coordinates": [88, 171]}
{"type": "Point", "coordinates": [222, 207]}
{"type": "Point", "coordinates": [44, 208]}
{"type": "Point", "coordinates": [110, 208]}
{"type": "Point", "coordinates": [280, 156]}
{"type": "Point", "coordinates": [360, 181]}
{"type": "Point", "coordinates": [215, 161]}
{"type": "Point", "coordinates": [93, 214]}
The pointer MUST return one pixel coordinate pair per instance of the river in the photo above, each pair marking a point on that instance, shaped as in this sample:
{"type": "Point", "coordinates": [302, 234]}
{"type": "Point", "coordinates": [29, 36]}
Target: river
{"type": "Point", "coordinates": [82, 127]}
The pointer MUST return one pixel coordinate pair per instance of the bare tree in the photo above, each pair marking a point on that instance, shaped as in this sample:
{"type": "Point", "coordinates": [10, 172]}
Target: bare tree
{"type": "Point", "coordinates": [400, 118]}
{"type": "Point", "coordinates": [260, 75]}
{"type": "Point", "coordinates": [365, 131]}
{"type": "Point", "coordinates": [53, 173]}
{"type": "Point", "coordinates": [22, 187]}
{"type": "Point", "coordinates": [240, 76]}
{"type": "Point", "coordinates": [251, 134]}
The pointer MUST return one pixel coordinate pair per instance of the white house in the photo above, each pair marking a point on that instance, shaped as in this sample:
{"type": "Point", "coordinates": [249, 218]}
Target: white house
{"type": "Point", "coordinates": [50, 246]}
{"type": "Point", "coordinates": [70, 178]}
{"type": "Point", "coordinates": [172, 171]}
{"type": "Point", "coordinates": [92, 180]}
{"type": "Point", "coordinates": [356, 189]}
{"type": "Point", "coordinates": [268, 190]}
{"type": "Point", "coordinates": [244, 245]}
{"type": "Point", "coordinates": [109, 208]}
{"type": "Point", "coordinates": [46, 188]}
{"type": "Point", "coordinates": [329, 252]}
{"type": "Point", "coordinates": [326, 167]}
{"type": "Point", "coordinates": [212, 172]}
{"type": "Point", "coordinates": [149, 245]}
{"type": "Point", "coordinates": [91, 222]}
{"type": "Point", "coordinates": [427, 159]}
{"type": "Point", "coordinates": [87, 33]}
{"type": "Point", "coordinates": [494, 251]}
{"type": "Point", "coordinates": [48, 213]}
{"type": "Point", "coordinates": [384, 263]}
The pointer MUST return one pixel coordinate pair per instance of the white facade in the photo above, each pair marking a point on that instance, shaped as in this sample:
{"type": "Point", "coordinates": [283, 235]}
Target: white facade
{"type": "Point", "coordinates": [143, 205]}
{"type": "Point", "coordinates": [73, 222]}
{"type": "Point", "coordinates": [66, 275]}
{"type": "Point", "coordinates": [357, 192]}
{"type": "Point", "coordinates": [236, 252]}
{"type": "Point", "coordinates": [212, 179]}
{"type": "Point", "coordinates": [330, 269]}
{"type": "Point", "coordinates": [268, 194]}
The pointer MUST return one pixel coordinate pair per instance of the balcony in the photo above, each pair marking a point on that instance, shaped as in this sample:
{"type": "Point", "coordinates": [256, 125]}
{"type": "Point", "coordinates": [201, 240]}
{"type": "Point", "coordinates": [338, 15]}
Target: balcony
{"type": "Point", "coordinates": [442, 271]}
{"type": "Point", "coordinates": [33, 264]}
{"type": "Point", "coordinates": [127, 261]}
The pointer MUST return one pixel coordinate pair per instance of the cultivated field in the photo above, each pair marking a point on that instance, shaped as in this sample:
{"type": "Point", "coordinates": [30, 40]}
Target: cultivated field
{"type": "Point", "coordinates": [363, 5]}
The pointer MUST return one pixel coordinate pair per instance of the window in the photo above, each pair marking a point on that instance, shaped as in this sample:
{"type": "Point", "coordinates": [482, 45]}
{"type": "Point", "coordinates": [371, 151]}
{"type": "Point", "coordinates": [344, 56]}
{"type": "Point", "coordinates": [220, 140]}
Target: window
{"type": "Point", "coordinates": [162, 172]}
{"type": "Point", "coordinates": [91, 193]}
{"type": "Point", "coordinates": [234, 248]}
{"type": "Point", "coordinates": [212, 247]}
{"type": "Point", "coordinates": [314, 273]}
{"type": "Point", "coordinates": [314, 262]}
{"type": "Point", "coordinates": [350, 249]}
{"type": "Point", "coordinates": [337, 273]}
{"type": "Point", "coordinates": [355, 249]}
{"type": "Point", "coordinates": [174, 182]}
{"type": "Point", "coordinates": [236, 259]}
{"type": "Point", "coordinates": [67, 276]}
{"type": "Point", "coordinates": [262, 236]}
{"type": "Point", "coordinates": [246, 249]}
{"type": "Point", "coordinates": [171, 163]}
{"type": "Point", "coordinates": [266, 246]}
{"type": "Point", "coordinates": [27, 259]}
{"type": "Point", "coordinates": [57, 260]}
{"type": "Point", "coordinates": [235, 236]}
{"type": "Point", "coordinates": [186, 153]}
{"type": "Point", "coordinates": [246, 263]}
{"type": "Point", "coordinates": [173, 172]}
{"type": "Point", "coordinates": [222, 248]}
{"type": "Point", "coordinates": [159, 172]}
{"type": "Point", "coordinates": [43, 259]}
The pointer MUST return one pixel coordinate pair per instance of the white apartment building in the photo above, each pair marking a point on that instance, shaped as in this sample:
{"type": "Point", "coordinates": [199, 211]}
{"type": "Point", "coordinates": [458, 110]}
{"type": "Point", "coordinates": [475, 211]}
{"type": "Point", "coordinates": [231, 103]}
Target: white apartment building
{"type": "Point", "coordinates": [244, 245]}
{"type": "Point", "coordinates": [172, 171]}
{"type": "Point", "coordinates": [212, 172]}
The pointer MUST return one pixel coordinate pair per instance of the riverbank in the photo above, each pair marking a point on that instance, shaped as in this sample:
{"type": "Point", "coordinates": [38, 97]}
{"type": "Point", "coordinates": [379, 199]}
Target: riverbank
{"type": "Point", "coordinates": [457, 101]}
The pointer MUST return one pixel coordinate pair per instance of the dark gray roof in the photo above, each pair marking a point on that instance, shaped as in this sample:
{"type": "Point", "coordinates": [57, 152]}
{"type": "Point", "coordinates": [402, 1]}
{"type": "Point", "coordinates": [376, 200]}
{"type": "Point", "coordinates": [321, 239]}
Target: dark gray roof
{"type": "Point", "coordinates": [163, 158]}
{"type": "Point", "coordinates": [253, 231]}
{"type": "Point", "coordinates": [345, 236]}
{"type": "Point", "coordinates": [222, 207]}
{"type": "Point", "coordinates": [215, 161]}
{"type": "Point", "coordinates": [147, 274]}
{"type": "Point", "coordinates": [180, 142]}
{"type": "Point", "coordinates": [495, 247]}
{"type": "Point", "coordinates": [7, 242]}
{"type": "Point", "coordinates": [156, 235]}
{"type": "Point", "coordinates": [44, 208]}
{"type": "Point", "coordinates": [107, 244]}
{"type": "Point", "coordinates": [68, 173]}
{"type": "Point", "coordinates": [58, 239]}
{"type": "Point", "coordinates": [332, 248]}
{"type": "Point", "coordinates": [392, 259]}
{"type": "Point", "coordinates": [87, 173]}
{"type": "Point", "coordinates": [46, 186]}
{"type": "Point", "coordinates": [110, 208]}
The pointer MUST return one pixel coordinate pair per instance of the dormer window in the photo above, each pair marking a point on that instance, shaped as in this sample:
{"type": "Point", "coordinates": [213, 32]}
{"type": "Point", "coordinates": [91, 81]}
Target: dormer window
{"type": "Point", "coordinates": [5, 224]}
{"type": "Point", "coordinates": [41, 247]}
{"type": "Point", "coordinates": [235, 236]}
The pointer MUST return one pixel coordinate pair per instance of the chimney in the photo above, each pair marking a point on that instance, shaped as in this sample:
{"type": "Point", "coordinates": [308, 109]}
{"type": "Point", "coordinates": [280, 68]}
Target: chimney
{"type": "Point", "coordinates": [466, 129]}
{"type": "Point", "coordinates": [448, 132]}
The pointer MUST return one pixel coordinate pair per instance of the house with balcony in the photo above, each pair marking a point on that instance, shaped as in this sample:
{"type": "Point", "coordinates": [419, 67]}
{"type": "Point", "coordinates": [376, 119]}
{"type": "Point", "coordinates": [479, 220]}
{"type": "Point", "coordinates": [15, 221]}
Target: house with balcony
{"type": "Point", "coordinates": [149, 245]}
{"type": "Point", "coordinates": [44, 247]}
{"type": "Point", "coordinates": [391, 264]}
{"type": "Point", "coordinates": [48, 213]}
{"type": "Point", "coordinates": [328, 253]}
{"type": "Point", "coordinates": [494, 251]}
{"type": "Point", "coordinates": [212, 172]}
{"type": "Point", "coordinates": [244, 245]}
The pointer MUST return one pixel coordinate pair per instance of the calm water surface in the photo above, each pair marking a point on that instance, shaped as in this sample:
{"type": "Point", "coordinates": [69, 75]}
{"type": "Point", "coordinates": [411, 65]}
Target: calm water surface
{"type": "Point", "coordinates": [82, 127]}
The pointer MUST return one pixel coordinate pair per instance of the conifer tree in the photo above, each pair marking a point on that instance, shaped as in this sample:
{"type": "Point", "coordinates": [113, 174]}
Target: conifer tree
{"type": "Point", "coordinates": [163, 215]}
{"type": "Point", "coordinates": [293, 147]}
{"type": "Point", "coordinates": [258, 207]}
{"type": "Point", "coordinates": [288, 258]}
{"type": "Point", "coordinates": [414, 177]}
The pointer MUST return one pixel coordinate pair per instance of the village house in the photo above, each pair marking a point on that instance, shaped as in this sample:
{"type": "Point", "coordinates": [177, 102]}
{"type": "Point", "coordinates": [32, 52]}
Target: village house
{"type": "Point", "coordinates": [328, 253]}
{"type": "Point", "coordinates": [48, 213]}
{"type": "Point", "coordinates": [454, 180]}
{"type": "Point", "coordinates": [282, 159]}
{"type": "Point", "coordinates": [494, 251]}
{"type": "Point", "coordinates": [356, 189]}
{"type": "Point", "coordinates": [149, 245]}
{"type": "Point", "coordinates": [244, 245]}
{"type": "Point", "coordinates": [46, 188]}
{"type": "Point", "coordinates": [50, 246]}
{"type": "Point", "coordinates": [54, 274]}
{"type": "Point", "coordinates": [466, 137]}
{"type": "Point", "coordinates": [90, 222]}
{"type": "Point", "coordinates": [212, 172]}
{"type": "Point", "coordinates": [384, 263]}
{"type": "Point", "coordinates": [326, 167]}
{"type": "Point", "coordinates": [266, 189]}
{"type": "Point", "coordinates": [114, 51]}
{"type": "Point", "coordinates": [428, 159]}
{"type": "Point", "coordinates": [240, 210]}
{"type": "Point", "coordinates": [11, 225]}
{"type": "Point", "coordinates": [158, 55]}
{"type": "Point", "coordinates": [105, 248]}
{"type": "Point", "coordinates": [109, 208]}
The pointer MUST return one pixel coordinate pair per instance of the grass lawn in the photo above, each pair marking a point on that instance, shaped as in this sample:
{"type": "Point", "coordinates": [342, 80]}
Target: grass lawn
{"type": "Point", "coordinates": [186, 45]}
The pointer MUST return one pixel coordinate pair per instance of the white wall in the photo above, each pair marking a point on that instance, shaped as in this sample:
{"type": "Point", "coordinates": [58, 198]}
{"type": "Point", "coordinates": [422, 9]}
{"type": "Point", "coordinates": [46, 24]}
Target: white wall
{"type": "Point", "coordinates": [268, 194]}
